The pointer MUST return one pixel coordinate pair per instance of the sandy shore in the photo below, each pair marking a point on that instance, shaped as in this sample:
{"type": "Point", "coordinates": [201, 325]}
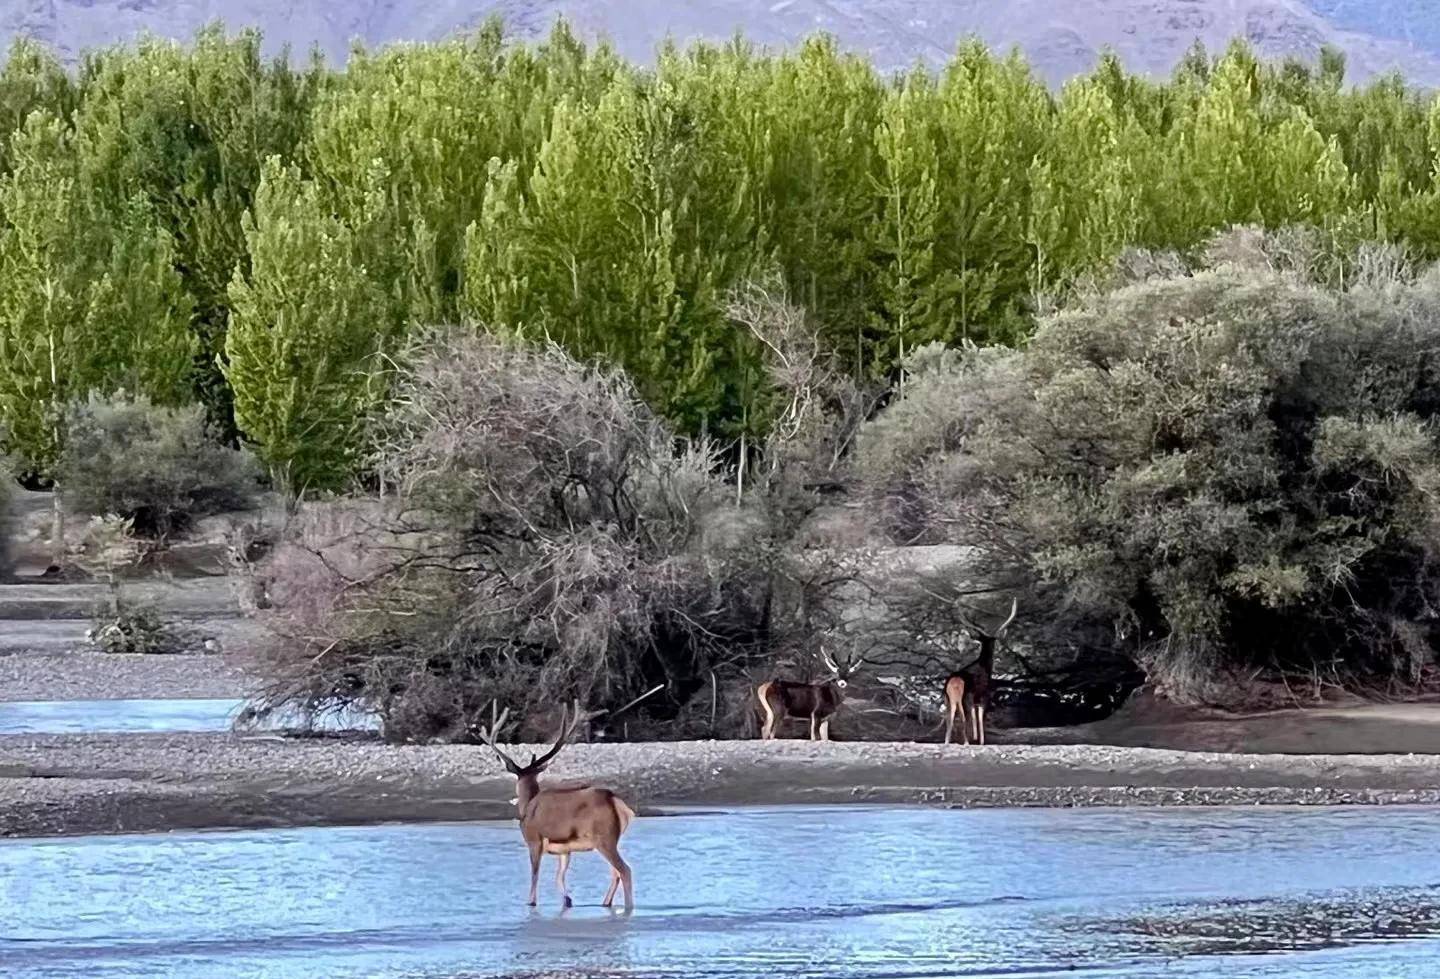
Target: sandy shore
{"type": "Point", "coordinates": [73, 784]}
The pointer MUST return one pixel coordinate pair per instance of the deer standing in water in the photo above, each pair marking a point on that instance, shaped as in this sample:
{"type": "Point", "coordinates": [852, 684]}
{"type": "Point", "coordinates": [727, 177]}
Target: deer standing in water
{"type": "Point", "coordinates": [566, 819]}
{"type": "Point", "coordinates": [816, 702]}
{"type": "Point", "coordinates": [967, 691]}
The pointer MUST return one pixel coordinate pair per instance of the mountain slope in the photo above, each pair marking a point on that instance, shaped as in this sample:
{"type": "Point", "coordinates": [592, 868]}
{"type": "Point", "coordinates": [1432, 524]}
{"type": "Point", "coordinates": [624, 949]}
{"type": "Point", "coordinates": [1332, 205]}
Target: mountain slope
{"type": "Point", "coordinates": [1061, 39]}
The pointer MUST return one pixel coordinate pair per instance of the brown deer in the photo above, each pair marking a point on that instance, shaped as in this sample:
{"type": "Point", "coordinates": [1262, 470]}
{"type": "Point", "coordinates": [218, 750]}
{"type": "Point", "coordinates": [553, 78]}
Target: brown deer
{"type": "Point", "coordinates": [566, 819]}
{"type": "Point", "coordinates": [967, 691]}
{"type": "Point", "coordinates": [780, 699]}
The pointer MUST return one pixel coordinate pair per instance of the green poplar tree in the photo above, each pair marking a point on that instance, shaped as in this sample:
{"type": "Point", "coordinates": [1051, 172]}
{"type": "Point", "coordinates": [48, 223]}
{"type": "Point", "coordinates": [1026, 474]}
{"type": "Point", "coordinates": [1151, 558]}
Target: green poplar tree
{"type": "Point", "coordinates": [822, 108]}
{"type": "Point", "coordinates": [1085, 206]}
{"type": "Point", "coordinates": [309, 327]}
{"type": "Point", "coordinates": [994, 119]}
{"type": "Point", "coordinates": [90, 299]}
{"type": "Point", "coordinates": [187, 128]}
{"type": "Point", "coordinates": [915, 301]}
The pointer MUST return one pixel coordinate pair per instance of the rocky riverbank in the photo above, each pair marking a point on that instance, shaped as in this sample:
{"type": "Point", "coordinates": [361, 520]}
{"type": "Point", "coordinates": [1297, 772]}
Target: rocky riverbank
{"type": "Point", "coordinates": [74, 784]}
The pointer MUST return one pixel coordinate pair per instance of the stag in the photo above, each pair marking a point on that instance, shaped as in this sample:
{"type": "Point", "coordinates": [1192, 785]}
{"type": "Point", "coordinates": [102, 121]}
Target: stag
{"type": "Point", "coordinates": [566, 819]}
{"type": "Point", "coordinates": [780, 699]}
{"type": "Point", "coordinates": [967, 691]}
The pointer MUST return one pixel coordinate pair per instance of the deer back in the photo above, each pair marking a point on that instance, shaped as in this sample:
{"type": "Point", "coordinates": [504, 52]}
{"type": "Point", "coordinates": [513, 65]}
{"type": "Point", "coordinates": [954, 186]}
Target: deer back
{"type": "Point", "coordinates": [565, 814]}
{"type": "Point", "coordinates": [807, 699]}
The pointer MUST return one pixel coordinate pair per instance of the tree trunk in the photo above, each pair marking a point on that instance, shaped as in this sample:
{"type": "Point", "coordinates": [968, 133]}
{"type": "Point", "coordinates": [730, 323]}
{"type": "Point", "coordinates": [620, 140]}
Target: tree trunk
{"type": "Point", "coordinates": [57, 529]}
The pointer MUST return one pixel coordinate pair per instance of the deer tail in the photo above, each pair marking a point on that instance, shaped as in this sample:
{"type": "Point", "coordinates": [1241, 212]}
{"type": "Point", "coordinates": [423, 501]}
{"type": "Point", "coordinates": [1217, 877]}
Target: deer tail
{"type": "Point", "coordinates": [623, 812]}
{"type": "Point", "coordinates": [767, 713]}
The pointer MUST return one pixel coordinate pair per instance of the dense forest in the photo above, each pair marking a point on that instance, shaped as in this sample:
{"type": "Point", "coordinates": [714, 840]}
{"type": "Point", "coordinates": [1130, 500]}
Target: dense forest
{"type": "Point", "coordinates": [195, 223]}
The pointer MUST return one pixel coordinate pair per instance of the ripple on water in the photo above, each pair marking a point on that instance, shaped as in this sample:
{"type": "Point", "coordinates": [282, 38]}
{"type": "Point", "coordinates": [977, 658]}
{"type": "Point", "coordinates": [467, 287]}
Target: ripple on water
{"type": "Point", "coordinates": [799, 893]}
{"type": "Point", "coordinates": [1262, 926]}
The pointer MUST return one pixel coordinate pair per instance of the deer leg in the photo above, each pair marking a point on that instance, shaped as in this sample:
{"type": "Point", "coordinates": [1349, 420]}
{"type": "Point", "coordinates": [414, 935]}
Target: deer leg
{"type": "Point", "coordinates": [537, 850]}
{"type": "Point", "coordinates": [564, 865]}
{"type": "Point", "coordinates": [950, 724]}
{"type": "Point", "coordinates": [814, 734]}
{"type": "Point", "coordinates": [967, 716]}
{"type": "Point", "coordinates": [610, 892]}
{"type": "Point", "coordinates": [825, 729]}
{"type": "Point", "coordinates": [621, 870]}
{"type": "Point", "coordinates": [980, 723]}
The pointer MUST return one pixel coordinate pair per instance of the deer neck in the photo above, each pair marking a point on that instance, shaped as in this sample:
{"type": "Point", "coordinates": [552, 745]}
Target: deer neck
{"type": "Point", "coordinates": [986, 659]}
{"type": "Point", "coordinates": [527, 787]}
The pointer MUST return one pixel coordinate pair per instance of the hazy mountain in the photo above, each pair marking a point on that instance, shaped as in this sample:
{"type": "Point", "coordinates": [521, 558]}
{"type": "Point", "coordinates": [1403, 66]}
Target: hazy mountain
{"type": "Point", "coordinates": [1417, 21]}
{"type": "Point", "coordinates": [1061, 37]}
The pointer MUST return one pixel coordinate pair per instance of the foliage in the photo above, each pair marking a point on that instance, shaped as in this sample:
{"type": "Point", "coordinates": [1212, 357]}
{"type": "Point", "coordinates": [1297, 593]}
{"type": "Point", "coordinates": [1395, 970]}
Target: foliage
{"type": "Point", "coordinates": [91, 300]}
{"type": "Point", "coordinates": [308, 330]}
{"type": "Point", "coordinates": [556, 192]}
{"type": "Point", "coordinates": [187, 129]}
{"type": "Point", "coordinates": [160, 468]}
{"type": "Point", "coordinates": [1216, 474]}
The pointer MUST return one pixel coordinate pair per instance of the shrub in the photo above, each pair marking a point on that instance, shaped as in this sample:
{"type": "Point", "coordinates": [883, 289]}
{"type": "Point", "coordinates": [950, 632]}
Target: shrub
{"type": "Point", "coordinates": [106, 550]}
{"type": "Point", "coordinates": [541, 544]}
{"type": "Point", "coordinates": [159, 467]}
{"type": "Point", "coordinates": [1219, 475]}
{"type": "Point", "coordinates": [135, 629]}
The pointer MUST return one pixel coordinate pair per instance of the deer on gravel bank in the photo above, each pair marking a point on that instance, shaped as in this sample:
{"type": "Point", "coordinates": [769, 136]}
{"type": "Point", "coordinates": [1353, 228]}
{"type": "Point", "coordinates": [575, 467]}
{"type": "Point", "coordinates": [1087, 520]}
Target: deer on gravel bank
{"type": "Point", "coordinates": [566, 819]}
{"type": "Point", "coordinates": [967, 691]}
{"type": "Point", "coordinates": [816, 702]}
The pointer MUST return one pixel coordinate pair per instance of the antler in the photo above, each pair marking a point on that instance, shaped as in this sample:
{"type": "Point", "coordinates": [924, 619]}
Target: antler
{"type": "Point", "coordinates": [567, 727]}
{"type": "Point", "coordinates": [489, 734]}
{"type": "Point", "coordinates": [970, 625]}
{"type": "Point", "coordinates": [850, 665]}
{"type": "Point", "coordinates": [1014, 608]}
{"type": "Point", "coordinates": [966, 622]}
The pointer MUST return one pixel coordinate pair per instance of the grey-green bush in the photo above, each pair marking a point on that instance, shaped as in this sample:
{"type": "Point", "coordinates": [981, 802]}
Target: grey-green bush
{"type": "Point", "coordinates": [1222, 475]}
{"type": "Point", "coordinates": [160, 467]}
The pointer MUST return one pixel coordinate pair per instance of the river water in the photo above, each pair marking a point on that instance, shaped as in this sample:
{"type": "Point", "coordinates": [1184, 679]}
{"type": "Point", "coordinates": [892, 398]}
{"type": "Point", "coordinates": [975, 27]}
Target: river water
{"type": "Point", "coordinates": [834, 892]}
{"type": "Point", "coordinates": [133, 716]}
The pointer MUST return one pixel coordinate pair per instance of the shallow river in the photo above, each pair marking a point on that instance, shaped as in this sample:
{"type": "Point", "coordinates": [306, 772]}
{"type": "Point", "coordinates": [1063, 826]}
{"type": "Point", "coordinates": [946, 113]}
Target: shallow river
{"type": "Point", "coordinates": [131, 716]}
{"type": "Point", "coordinates": [761, 892]}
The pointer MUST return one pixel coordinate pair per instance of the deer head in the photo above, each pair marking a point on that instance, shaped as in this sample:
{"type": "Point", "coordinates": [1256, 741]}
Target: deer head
{"type": "Point", "coordinates": [527, 776]}
{"type": "Point", "coordinates": [839, 675]}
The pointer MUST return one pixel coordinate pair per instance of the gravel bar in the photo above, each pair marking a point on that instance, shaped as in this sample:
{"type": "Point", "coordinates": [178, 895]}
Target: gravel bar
{"type": "Point", "coordinates": [81, 784]}
{"type": "Point", "coordinates": [105, 676]}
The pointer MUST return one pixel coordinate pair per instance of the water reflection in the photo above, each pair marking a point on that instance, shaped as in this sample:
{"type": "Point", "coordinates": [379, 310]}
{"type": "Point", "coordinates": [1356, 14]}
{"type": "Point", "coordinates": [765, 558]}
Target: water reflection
{"type": "Point", "coordinates": [794, 892]}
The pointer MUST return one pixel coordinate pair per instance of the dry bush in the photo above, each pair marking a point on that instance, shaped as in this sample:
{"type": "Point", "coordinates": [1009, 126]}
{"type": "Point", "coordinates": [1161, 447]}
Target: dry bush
{"type": "Point", "coordinates": [544, 537]}
{"type": "Point", "coordinates": [540, 541]}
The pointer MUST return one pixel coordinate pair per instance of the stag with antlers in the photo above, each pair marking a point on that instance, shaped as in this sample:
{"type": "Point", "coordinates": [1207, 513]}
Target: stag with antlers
{"type": "Point", "coordinates": [967, 691]}
{"type": "Point", "coordinates": [817, 702]}
{"type": "Point", "coordinates": [565, 819]}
